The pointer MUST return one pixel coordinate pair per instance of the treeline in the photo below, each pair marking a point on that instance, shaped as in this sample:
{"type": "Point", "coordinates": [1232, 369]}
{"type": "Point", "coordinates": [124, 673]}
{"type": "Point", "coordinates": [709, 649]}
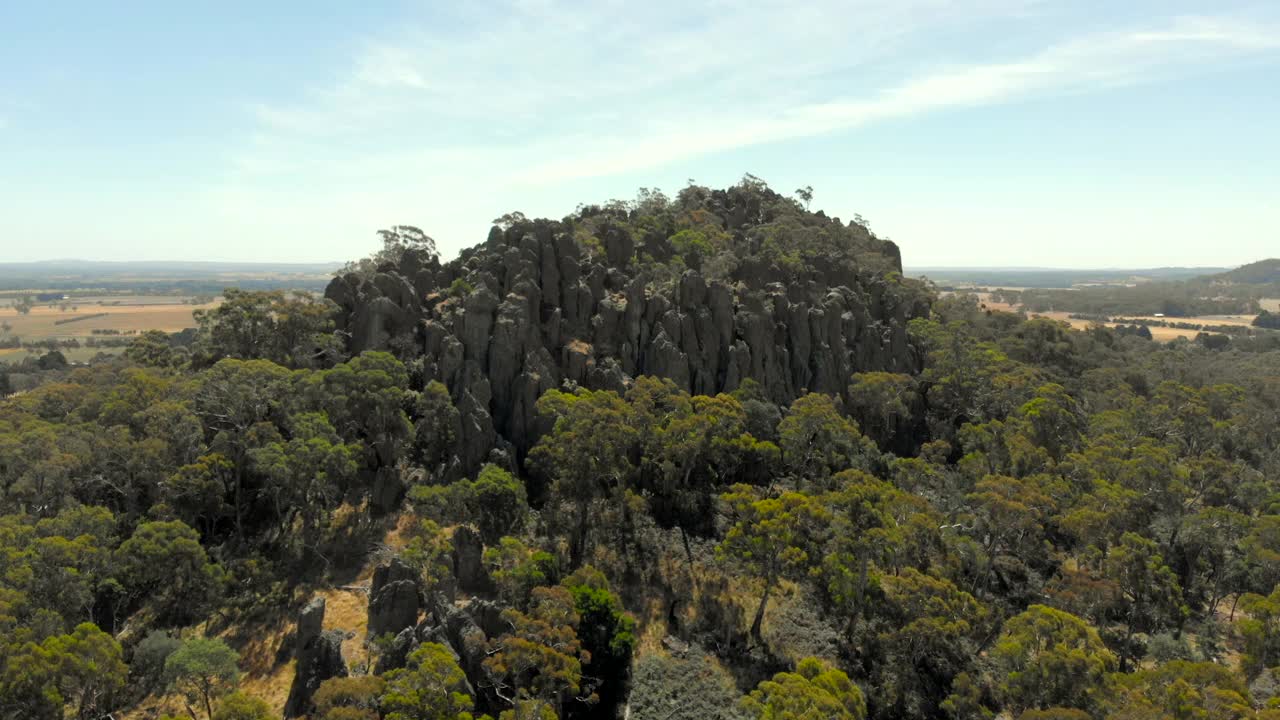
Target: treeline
{"type": "Point", "coordinates": [1268, 320]}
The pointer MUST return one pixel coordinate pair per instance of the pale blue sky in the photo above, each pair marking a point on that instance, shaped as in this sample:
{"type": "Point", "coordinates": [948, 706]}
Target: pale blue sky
{"type": "Point", "coordinates": [988, 132]}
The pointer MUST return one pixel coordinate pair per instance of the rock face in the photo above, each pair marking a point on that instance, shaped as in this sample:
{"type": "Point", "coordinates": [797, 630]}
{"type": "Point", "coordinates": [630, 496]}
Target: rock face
{"type": "Point", "coordinates": [319, 657]}
{"type": "Point", "coordinates": [393, 599]}
{"type": "Point", "coordinates": [544, 312]}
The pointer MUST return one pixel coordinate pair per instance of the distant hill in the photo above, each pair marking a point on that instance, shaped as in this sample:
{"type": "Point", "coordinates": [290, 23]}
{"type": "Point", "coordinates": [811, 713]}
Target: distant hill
{"type": "Point", "coordinates": [1032, 277]}
{"type": "Point", "coordinates": [162, 276]}
{"type": "Point", "coordinates": [1176, 292]}
{"type": "Point", "coordinates": [1263, 272]}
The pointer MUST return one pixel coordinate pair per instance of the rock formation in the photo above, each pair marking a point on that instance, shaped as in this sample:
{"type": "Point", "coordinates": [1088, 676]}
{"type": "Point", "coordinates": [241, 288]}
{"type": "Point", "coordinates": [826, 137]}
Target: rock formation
{"type": "Point", "coordinates": [393, 599]}
{"type": "Point", "coordinates": [319, 657]}
{"type": "Point", "coordinates": [536, 310]}
{"type": "Point", "coordinates": [468, 560]}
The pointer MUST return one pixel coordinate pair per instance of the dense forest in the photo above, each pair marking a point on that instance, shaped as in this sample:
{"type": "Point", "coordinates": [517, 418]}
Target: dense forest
{"type": "Point", "coordinates": [702, 456]}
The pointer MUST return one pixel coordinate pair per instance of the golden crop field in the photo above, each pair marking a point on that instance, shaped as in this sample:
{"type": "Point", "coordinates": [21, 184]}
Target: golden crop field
{"type": "Point", "coordinates": [42, 323]}
{"type": "Point", "coordinates": [1162, 334]}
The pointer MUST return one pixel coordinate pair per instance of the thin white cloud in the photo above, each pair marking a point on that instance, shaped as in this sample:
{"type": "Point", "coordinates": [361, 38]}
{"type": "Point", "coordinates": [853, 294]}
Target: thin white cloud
{"type": "Point", "coordinates": [592, 96]}
{"type": "Point", "coordinates": [552, 63]}
{"type": "Point", "coordinates": [1104, 60]}
{"type": "Point", "coordinates": [544, 93]}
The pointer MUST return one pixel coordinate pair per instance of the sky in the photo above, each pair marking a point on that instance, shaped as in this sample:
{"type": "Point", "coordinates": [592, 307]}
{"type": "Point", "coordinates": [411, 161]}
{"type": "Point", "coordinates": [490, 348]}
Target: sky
{"type": "Point", "coordinates": [978, 133]}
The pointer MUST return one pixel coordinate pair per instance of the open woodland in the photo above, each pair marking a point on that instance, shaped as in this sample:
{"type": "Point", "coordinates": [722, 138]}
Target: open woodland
{"type": "Point", "coordinates": [690, 457]}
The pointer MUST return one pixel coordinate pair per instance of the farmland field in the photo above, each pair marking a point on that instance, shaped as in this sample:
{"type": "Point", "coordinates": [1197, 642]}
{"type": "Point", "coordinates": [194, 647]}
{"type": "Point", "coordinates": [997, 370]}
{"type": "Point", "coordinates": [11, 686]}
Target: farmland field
{"type": "Point", "coordinates": [1163, 334]}
{"type": "Point", "coordinates": [44, 322]}
{"type": "Point", "coordinates": [116, 319]}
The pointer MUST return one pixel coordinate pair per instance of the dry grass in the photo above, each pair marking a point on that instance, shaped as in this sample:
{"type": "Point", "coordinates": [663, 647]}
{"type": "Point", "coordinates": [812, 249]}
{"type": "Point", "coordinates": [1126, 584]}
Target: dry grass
{"type": "Point", "coordinates": [1270, 304]}
{"type": "Point", "coordinates": [39, 323]}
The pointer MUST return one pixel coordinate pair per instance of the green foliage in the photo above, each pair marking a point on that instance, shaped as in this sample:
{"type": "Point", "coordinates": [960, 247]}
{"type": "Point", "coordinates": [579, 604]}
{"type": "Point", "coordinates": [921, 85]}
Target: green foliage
{"type": "Point", "coordinates": [82, 671]}
{"type": "Point", "coordinates": [164, 563]}
{"type": "Point", "coordinates": [203, 670]}
{"type": "Point", "coordinates": [586, 454]}
{"type": "Point", "coordinates": [398, 242]}
{"type": "Point", "coordinates": [689, 447]}
{"type": "Point", "coordinates": [306, 474]}
{"type": "Point", "coordinates": [929, 631]}
{"type": "Point", "coordinates": [814, 690]}
{"type": "Point", "coordinates": [1032, 508]}
{"type": "Point", "coordinates": [517, 569]}
{"type": "Point", "coordinates": [691, 246]}
{"type": "Point", "coordinates": [430, 687]}
{"type": "Point", "coordinates": [1260, 629]}
{"type": "Point", "coordinates": [495, 502]}
{"type": "Point", "coordinates": [242, 706]}
{"type": "Point", "coordinates": [883, 404]}
{"type": "Point", "coordinates": [429, 551]}
{"type": "Point", "coordinates": [1267, 319]}
{"type": "Point", "coordinates": [1152, 599]}
{"type": "Point", "coordinates": [149, 658]}
{"type": "Point", "coordinates": [365, 400]}
{"type": "Point", "coordinates": [540, 659]}
{"type": "Point", "coordinates": [865, 531]}
{"type": "Point", "coordinates": [1178, 689]}
{"type": "Point", "coordinates": [1047, 658]}
{"type": "Point", "coordinates": [153, 349]}
{"type": "Point", "coordinates": [439, 425]}
{"type": "Point", "coordinates": [771, 538]}
{"type": "Point", "coordinates": [291, 329]}
{"type": "Point", "coordinates": [817, 441]}
{"type": "Point", "coordinates": [460, 288]}
{"type": "Point", "coordinates": [349, 698]}
{"type": "Point", "coordinates": [606, 630]}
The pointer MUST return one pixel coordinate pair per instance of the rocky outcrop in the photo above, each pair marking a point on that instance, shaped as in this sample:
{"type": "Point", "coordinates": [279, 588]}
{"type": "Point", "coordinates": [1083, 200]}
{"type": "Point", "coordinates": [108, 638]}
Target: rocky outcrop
{"type": "Point", "coordinates": [394, 596]}
{"type": "Point", "coordinates": [544, 312]}
{"type": "Point", "coordinates": [319, 657]}
{"type": "Point", "coordinates": [468, 560]}
{"type": "Point", "coordinates": [467, 631]}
